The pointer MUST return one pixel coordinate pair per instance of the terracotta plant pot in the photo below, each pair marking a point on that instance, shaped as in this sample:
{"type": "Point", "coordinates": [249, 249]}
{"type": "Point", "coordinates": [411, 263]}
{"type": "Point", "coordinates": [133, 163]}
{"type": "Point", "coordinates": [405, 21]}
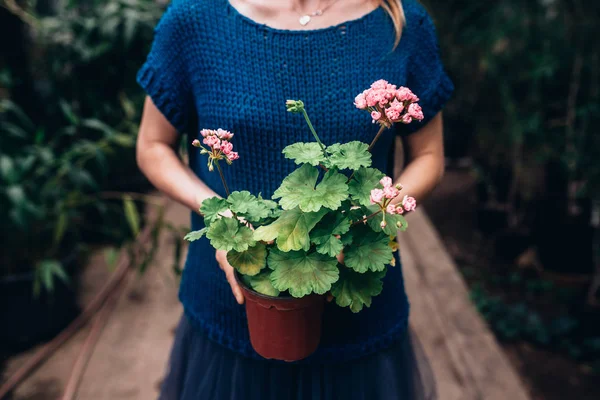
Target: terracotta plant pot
{"type": "Point", "coordinates": [283, 328]}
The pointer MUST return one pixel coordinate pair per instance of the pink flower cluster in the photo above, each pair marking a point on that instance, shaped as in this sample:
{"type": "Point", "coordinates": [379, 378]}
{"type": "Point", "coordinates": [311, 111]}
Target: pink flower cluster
{"type": "Point", "coordinates": [389, 104]}
{"type": "Point", "coordinates": [219, 144]}
{"type": "Point", "coordinates": [383, 198]}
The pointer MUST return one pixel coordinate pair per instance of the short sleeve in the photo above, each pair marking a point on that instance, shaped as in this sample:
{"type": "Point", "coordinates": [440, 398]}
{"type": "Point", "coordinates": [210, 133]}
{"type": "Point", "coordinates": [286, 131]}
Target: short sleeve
{"type": "Point", "coordinates": [426, 76]}
{"type": "Point", "coordinates": [164, 75]}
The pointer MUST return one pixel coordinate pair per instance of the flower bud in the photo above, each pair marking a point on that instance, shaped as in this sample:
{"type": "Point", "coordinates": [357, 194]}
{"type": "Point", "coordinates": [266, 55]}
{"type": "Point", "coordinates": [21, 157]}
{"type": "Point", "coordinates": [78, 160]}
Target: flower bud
{"type": "Point", "coordinates": [196, 143]}
{"type": "Point", "coordinates": [294, 106]}
{"type": "Point", "coordinates": [383, 224]}
{"type": "Point", "coordinates": [399, 186]}
{"type": "Point", "coordinates": [398, 224]}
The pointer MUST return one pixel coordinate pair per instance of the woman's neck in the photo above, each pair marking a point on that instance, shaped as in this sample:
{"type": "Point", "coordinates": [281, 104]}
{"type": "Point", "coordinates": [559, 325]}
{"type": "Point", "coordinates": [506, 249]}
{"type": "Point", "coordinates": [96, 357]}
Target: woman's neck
{"type": "Point", "coordinates": [286, 14]}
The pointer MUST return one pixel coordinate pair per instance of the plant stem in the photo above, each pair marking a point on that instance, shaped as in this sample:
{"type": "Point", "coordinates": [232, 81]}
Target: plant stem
{"type": "Point", "coordinates": [366, 218]}
{"type": "Point", "coordinates": [312, 129]}
{"type": "Point", "coordinates": [383, 127]}
{"type": "Point", "coordinates": [375, 139]}
{"type": "Point", "coordinates": [222, 177]}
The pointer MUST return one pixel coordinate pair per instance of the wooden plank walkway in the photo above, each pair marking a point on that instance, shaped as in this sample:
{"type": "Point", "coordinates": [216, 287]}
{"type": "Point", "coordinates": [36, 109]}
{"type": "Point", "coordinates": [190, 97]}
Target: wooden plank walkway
{"type": "Point", "coordinates": [466, 359]}
{"type": "Point", "coordinates": [130, 358]}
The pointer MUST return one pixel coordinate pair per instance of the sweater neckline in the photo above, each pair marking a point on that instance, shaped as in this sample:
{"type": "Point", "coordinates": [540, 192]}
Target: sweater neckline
{"type": "Point", "coordinates": [342, 25]}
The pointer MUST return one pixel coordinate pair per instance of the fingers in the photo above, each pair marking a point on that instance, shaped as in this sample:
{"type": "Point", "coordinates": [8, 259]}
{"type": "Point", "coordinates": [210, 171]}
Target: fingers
{"type": "Point", "coordinates": [235, 288]}
{"type": "Point", "coordinates": [340, 258]}
{"type": "Point", "coordinates": [230, 276]}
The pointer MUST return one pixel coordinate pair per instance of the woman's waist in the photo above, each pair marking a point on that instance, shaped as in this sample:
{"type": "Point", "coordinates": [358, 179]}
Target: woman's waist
{"type": "Point", "coordinates": [208, 301]}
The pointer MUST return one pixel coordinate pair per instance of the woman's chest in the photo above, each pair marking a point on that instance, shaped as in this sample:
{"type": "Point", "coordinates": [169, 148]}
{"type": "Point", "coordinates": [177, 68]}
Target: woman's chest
{"type": "Point", "coordinates": [244, 87]}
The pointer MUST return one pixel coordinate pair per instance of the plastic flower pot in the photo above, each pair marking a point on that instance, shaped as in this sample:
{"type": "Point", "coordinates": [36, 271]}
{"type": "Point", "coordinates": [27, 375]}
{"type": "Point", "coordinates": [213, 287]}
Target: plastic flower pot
{"type": "Point", "coordinates": [283, 328]}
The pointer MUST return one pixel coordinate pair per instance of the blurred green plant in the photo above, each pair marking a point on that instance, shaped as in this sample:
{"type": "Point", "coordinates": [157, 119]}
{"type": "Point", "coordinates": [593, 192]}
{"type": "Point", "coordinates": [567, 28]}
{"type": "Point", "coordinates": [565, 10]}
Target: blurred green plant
{"type": "Point", "coordinates": [512, 321]}
{"type": "Point", "coordinates": [47, 183]}
{"type": "Point", "coordinates": [67, 137]}
{"type": "Point", "coordinates": [527, 77]}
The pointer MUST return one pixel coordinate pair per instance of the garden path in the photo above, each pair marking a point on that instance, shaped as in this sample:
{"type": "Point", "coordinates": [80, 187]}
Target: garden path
{"type": "Point", "coordinates": [129, 359]}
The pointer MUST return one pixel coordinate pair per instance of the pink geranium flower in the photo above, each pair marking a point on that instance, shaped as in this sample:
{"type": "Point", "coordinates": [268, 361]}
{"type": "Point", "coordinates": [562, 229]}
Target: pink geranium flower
{"type": "Point", "coordinates": [389, 104]}
{"type": "Point", "coordinates": [376, 196]}
{"type": "Point", "coordinates": [386, 181]}
{"type": "Point", "coordinates": [390, 192]}
{"type": "Point", "coordinates": [416, 111]}
{"type": "Point", "coordinates": [409, 203]}
{"type": "Point", "coordinates": [219, 146]}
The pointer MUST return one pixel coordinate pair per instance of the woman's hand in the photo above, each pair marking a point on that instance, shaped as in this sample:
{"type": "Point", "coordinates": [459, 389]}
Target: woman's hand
{"type": "Point", "coordinates": [221, 257]}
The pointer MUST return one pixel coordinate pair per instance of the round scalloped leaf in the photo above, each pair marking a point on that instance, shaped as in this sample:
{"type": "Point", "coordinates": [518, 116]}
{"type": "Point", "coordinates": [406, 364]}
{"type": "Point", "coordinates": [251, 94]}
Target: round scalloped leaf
{"type": "Point", "coordinates": [195, 235]}
{"type": "Point", "coordinates": [246, 205]}
{"type": "Point", "coordinates": [249, 262]}
{"type": "Point", "coordinates": [356, 290]}
{"type": "Point", "coordinates": [291, 229]}
{"type": "Point", "coordinates": [239, 201]}
{"type": "Point", "coordinates": [261, 283]}
{"type": "Point", "coordinates": [302, 273]}
{"type": "Point", "coordinates": [351, 155]}
{"type": "Point", "coordinates": [227, 234]}
{"type": "Point", "coordinates": [298, 190]}
{"type": "Point", "coordinates": [370, 251]}
{"type": "Point", "coordinates": [364, 180]}
{"type": "Point", "coordinates": [305, 153]}
{"type": "Point", "coordinates": [212, 207]}
{"type": "Point", "coordinates": [324, 234]}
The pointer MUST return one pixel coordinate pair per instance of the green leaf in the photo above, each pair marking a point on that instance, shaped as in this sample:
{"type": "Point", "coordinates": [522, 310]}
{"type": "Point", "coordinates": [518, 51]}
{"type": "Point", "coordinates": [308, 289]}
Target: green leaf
{"type": "Point", "coordinates": [16, 194]}
{"type": "Point", "coordinates": [212, 207]}
{"type": "Point", "coordinates": [356, 290]}
{"type": "Point", "coordinates": [7, 168]}
{"type": "Point", "coordinates": [246, 205]}
{"type": "Point", "coordinates": [365, 180]}
{"type": "Point", "coordinates": [392, 221]}
{"type": "Point", "coordinates": [298, 189]}
{"type": "Point", "coordinates": [60, 228]}
{"type": "Point", "coordinates": [110, 257]}
{"type": "Point", "coordinates": [370, 251]}
{"type": "Point", "coordinates": [195, 235]}
{"type": "Point", "coordinates": [305, 153]}
{"type": "Point", "coordinates": [239, 201]}
{"type": "Point", "coordinates": [83, 178]}
{"type": "Point", "coordinates": [249, 262]}
{"type": "Point", "coordinates": [323, 234]}
{"type": "Point", "coordinates": [45, 273]}
{"type": "Point", "coordinates": [227, 234]}
{"type": "Point", "coordinates": [132, 215]}
{"type": "Point", "coordinates": [261, 283]}
{"type": "Point", "coordinates": [68, 112]}
{"type": "Point", "coordinates": [351, 155]}
{"type": "Point", "coordinates": [291, 229]}
{"type": "Point", "coordinates": [302, 273]}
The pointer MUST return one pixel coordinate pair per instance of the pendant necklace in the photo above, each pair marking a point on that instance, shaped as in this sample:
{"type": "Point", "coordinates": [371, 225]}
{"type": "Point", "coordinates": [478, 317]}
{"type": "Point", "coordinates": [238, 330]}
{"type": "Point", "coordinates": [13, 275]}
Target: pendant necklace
{"type": "Point", "coordinates": [306, 18]}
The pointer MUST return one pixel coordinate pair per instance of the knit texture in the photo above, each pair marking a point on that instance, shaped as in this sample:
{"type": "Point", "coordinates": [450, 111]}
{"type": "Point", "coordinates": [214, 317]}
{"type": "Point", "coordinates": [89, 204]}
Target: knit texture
{"type": "Point", "coordinates": [211, 67]}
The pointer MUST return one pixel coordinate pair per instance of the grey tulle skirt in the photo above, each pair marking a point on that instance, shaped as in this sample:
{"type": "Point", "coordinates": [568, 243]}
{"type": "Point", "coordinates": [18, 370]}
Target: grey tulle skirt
{"type": "Point", "coordinates": [200, 369]}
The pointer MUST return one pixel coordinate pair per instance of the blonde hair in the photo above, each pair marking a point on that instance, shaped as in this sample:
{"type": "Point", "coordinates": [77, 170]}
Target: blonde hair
{"type": "Point", "coordinates": [396, 12]}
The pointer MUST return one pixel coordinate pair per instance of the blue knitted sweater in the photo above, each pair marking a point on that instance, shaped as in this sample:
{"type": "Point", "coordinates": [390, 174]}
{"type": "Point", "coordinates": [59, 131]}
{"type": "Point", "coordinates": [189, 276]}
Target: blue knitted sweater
{"type": "Point", "coordinates": [211, 67]}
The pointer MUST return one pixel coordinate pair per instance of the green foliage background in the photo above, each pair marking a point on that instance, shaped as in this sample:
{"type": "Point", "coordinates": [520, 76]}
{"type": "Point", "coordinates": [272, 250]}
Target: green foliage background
{"type": "Point", "coordinates": [528, 88]}
{"type": "Point", "coordinates": [69, 112]}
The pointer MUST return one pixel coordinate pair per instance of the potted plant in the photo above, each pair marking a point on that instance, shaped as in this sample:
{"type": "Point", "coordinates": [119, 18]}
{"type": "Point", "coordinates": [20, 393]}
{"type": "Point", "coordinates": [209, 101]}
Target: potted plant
{"type": "Point", "coordinates": [332, 230]}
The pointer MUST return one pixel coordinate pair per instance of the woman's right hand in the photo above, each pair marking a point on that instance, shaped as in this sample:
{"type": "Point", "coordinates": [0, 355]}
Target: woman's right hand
{"type": "Point", "coordinates": [221, 257]}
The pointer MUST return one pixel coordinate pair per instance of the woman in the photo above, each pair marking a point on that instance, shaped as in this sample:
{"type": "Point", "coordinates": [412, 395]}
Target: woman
{"type": "Point", "coordinates": [232, 64]}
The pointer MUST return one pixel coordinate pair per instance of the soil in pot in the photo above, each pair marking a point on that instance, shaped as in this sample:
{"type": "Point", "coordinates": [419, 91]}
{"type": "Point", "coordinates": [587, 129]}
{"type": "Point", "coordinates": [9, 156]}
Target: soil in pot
{"type": "Point", "coordinates": [283, 328]}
